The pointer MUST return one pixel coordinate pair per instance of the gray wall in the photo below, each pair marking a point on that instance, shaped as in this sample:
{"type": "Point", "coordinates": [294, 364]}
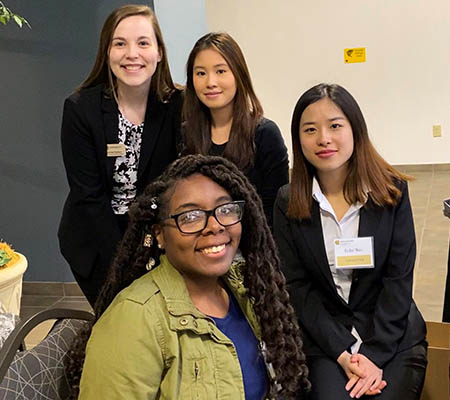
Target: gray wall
{"type": "Point", "coordinates": [39, 67]}
{"type": "Point", "coordinates": [182, 22]}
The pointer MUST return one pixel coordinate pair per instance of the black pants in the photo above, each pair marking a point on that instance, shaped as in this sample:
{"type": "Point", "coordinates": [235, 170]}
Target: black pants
{"type": "Point", "coordinates": [446, 314]}
{"type": "Point", "coordinates": [404, 374]}
{"type": "Point", "coordinates": [91, 285]}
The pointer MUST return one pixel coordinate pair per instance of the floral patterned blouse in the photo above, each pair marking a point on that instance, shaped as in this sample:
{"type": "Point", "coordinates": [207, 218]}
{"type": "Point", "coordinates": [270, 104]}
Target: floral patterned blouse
{"type": "Point", "coordinates": [126, 167]}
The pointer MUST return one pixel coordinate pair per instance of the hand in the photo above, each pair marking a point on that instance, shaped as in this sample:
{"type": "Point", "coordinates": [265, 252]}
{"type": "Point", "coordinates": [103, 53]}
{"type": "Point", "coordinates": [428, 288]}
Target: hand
{"type": "Point", "coordinates": [351, 369]}
{"type": "Point", "coordinates": [371, 383]}
{"type": "Point", "coordinates": [370, 392]}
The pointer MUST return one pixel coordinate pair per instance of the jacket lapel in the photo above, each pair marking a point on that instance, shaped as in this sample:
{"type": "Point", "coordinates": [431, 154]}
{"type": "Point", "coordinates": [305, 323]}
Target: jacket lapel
{"type": "Point", "coordinates": [111, 131]}
{"type": "Point", "coordinates": [369, 220]}
{"type": "Point", "coordinates": [154, 118]}
{"type": "Point", "coordinates": [313, 236]}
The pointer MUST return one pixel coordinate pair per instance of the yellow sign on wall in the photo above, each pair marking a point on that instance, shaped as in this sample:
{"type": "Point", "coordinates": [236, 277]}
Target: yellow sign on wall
{"type": "Point", "coordinates": [356, 55]}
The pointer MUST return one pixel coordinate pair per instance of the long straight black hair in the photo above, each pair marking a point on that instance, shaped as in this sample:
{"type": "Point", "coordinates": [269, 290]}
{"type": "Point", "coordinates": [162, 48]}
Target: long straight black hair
{"type": "Point", "coordinates": [247, 110]}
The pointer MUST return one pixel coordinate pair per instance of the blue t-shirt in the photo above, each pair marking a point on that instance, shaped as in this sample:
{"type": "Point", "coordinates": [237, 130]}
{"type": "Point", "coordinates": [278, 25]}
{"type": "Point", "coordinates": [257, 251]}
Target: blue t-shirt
{"type": "Point", "coordinates": [236, 327]}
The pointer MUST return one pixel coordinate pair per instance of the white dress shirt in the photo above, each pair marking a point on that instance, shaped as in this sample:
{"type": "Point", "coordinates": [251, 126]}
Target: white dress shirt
{"type": "Point", "coordinates": [333, 229]}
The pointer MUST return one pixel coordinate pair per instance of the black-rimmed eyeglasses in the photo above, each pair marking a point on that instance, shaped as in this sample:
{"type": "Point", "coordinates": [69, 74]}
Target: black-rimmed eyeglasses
{"type": "Point", "coordinates": [194, 221]}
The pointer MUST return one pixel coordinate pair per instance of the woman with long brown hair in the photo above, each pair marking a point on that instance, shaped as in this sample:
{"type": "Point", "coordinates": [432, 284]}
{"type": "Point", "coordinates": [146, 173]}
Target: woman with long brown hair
{"type": "Point", "coordinates": [222, 116]}
{"type": "Point", "coordinates": [345, 232]}
{"type": "Point", "coordinates": [118, 133]}
{"type": "Point", "coordinates": [191, 320]}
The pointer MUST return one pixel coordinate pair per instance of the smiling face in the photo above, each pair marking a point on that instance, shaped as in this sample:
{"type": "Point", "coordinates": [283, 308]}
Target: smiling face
{"type": "Point", "coordinates": [134, 54]}
{"type": "Point", "coordinates": [207, 254]}
{"type": "Point", "coordinates": [214, 83]}
{"type": "Point", "coordinates": [326, 137]}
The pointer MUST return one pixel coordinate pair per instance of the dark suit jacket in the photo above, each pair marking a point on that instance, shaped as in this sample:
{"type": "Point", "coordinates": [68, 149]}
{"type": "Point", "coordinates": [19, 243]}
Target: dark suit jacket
{"type": "Point", "coordinates": [89, 227]}
{"type": "Point", "coordinates": [380, 302]}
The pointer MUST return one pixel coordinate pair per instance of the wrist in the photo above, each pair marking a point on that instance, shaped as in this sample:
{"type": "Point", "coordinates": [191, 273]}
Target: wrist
{"type": "Point", "coordinates": [343, 358]}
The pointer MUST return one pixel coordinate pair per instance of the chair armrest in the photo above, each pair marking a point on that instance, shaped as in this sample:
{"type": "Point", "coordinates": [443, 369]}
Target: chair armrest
{"type": "Point", "coordinates": [17, 336]}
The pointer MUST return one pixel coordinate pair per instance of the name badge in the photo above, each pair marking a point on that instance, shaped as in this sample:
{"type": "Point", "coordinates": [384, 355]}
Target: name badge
{"type": "Point", "coordinates": [353, 253]}
{"type": "Point", "coordinates": [115, 150]}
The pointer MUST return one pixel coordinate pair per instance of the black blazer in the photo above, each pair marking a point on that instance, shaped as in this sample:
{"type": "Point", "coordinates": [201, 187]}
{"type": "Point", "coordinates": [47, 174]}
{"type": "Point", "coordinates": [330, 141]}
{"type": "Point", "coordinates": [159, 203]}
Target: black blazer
{"type": "Point", "coordinates": [270, 170]}
{"type": "Point", "coordinates": [89, 227]}
{"type": "Point", "coordinates": [380, 303]}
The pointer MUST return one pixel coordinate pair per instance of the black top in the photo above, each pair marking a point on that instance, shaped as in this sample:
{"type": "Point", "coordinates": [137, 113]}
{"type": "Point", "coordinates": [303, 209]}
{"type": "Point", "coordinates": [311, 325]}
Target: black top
{"type": "Point", "coordinates": [270, 170]}
{"type": "Point", "coordinates": [89, 228]}
{"type": "Point", "coordinates": [380, 305]}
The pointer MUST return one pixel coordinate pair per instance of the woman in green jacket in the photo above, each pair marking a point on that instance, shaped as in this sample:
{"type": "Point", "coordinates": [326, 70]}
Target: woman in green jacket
{"type": "Point", "coordinates": [206, 323]}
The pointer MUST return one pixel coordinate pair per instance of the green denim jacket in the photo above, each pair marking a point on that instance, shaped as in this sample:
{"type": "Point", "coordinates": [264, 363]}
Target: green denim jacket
{"type": "Point", "coordinates": [152, 343]}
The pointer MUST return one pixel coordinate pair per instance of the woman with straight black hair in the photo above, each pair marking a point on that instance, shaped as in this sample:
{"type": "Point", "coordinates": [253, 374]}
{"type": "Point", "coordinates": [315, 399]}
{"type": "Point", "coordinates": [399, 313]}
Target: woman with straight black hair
{"type": "Point", "coordinates": [345, 232]}
{"type": "Point", "coordinates": [119, 132]}
{"type": "Point", "coordinates": [223, 117]}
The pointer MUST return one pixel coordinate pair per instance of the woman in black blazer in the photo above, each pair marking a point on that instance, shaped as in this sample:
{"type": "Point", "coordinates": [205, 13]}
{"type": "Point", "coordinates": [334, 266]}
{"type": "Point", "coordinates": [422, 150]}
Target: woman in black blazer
{"type": "Point", "coordinates": [363, 334]}
{"type": "Point", "coordinates": [119, 132]}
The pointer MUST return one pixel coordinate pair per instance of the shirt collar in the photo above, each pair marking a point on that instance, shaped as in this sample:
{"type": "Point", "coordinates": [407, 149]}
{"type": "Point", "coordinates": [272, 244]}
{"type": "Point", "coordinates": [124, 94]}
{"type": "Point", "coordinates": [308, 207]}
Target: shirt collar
{"type": "Point", "coordinates": [318, 196]}
{"type": "Point", "coordinates": [173, 289]}
{"type": "Point", "coordinates": [317, 191]}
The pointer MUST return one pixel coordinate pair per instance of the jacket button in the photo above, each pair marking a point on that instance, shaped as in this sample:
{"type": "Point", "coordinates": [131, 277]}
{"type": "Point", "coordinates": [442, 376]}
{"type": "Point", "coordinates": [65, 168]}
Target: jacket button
{"type": "Point", "coordinates": [184, 321]}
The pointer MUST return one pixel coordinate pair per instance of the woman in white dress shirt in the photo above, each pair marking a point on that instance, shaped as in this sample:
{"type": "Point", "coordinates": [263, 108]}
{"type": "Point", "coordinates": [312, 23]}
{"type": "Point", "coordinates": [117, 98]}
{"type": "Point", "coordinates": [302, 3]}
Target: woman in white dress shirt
{"type": "Point", "coordinates": [363, 334]}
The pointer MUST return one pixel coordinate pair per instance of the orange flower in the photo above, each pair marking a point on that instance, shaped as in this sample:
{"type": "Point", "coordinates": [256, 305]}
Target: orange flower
{"type": "Point", "coordinates": [7, 255]}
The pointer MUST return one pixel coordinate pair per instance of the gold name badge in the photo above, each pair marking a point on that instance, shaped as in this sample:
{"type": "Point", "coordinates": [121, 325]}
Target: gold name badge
{"type": "Point", "coordinates": [115, 150]}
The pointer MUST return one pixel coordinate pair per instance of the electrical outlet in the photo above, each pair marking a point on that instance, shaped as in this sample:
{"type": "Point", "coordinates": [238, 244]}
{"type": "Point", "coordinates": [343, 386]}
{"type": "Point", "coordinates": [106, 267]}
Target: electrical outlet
{"type": "Point", "coordinates": [437, 131]}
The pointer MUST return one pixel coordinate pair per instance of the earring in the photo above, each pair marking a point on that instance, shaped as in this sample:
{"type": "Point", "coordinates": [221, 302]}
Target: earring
{"type": "Point", "coordinates": [151, 263]}
{"type": "Point", "coordinates": [148, 240]}
{"type": "Point", "coordinates": [154, 205]}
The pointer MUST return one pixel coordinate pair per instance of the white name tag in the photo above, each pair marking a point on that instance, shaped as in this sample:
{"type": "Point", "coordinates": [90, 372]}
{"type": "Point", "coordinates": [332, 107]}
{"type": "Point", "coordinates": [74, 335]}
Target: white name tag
{"type": "Point", "coordinates": [115, 150]}
{"type": "Point", "coordinates": [353, 253]}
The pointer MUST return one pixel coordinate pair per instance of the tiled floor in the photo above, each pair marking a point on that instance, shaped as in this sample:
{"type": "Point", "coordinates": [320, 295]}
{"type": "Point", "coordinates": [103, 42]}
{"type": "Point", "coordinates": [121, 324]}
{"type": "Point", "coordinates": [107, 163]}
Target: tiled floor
{"type": "Point", "coordinates": [39, 297]}
{"type": "Point", "coordinates": [431, 186]}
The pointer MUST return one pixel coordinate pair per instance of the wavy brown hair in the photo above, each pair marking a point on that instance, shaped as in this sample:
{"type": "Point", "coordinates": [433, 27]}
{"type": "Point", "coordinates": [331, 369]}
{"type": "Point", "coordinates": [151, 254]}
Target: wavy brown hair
{"type": "Point", "coordinates": [247, 110]}
{"type": "Point", "coordinates": [368, 171]}
{"type": "Point", "coordinates": [261, 274]}
{"type": "Point", "coordinates": [161, 84]}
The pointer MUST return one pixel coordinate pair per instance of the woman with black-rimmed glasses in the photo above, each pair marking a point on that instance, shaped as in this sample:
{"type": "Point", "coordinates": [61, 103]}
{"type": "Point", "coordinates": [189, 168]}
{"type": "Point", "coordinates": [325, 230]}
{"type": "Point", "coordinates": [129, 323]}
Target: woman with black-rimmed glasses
{"type": "Point", "coordinates": [191, 322]}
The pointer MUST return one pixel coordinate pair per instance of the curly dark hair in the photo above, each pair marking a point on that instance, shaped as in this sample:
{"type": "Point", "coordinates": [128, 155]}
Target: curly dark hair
{"type": "Point", "coordinates": [261, 274]}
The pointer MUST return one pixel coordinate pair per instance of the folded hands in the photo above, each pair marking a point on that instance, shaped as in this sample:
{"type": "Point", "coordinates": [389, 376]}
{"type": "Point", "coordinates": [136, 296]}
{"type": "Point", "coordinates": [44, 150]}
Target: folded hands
{"type": "Point", "coordinates": [364, 376]}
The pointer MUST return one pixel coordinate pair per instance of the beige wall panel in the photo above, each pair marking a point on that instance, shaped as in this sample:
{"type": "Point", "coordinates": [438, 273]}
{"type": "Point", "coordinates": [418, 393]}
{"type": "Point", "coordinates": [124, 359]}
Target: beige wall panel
{"type": "Point", "coordinates": [403, 88]}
